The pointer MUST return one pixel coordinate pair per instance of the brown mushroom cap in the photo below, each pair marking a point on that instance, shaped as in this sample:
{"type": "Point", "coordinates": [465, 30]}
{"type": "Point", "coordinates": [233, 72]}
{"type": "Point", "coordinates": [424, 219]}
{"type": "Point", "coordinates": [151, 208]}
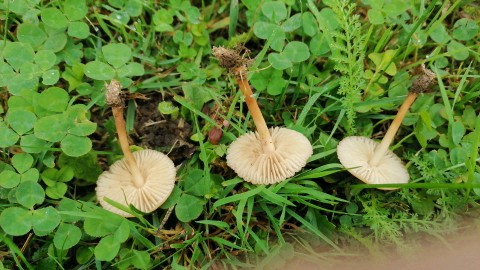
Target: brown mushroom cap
{"type": "Point", "coordinates": [355, 152]}
{"type": "Point", "coordinates": [116, 184]}
{"type": "Point", "coordinates": [251, 161]}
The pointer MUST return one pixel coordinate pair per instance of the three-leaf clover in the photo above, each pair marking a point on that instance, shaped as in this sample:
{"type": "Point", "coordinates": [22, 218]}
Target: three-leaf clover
{"type": "Point", "coordinates": [19, 220]}
{"type": "Point", "coordinates": [22, 163]}
{"type": "Point", "coordinates": [70, 18]}
{"type": "Point", "coordinates": [118, 65]}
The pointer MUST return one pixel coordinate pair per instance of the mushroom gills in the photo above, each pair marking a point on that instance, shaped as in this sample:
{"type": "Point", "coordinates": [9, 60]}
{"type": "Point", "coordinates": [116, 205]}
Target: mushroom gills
{"type": "Point", "coordinates": [255, 164]}
{"type": "Point", "coordinates": [116, 184]}
{"type": "Point", "coordinates": [355, 154]}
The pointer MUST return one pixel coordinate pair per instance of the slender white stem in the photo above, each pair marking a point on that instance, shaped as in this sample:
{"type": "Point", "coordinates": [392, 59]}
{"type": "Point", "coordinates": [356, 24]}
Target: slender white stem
{"type": "Point", "coordinates": [382, 148]}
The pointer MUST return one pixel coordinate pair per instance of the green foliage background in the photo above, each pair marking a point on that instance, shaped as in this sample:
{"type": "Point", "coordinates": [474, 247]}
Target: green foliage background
{"type": "Point", "coordinates": [327, 69]}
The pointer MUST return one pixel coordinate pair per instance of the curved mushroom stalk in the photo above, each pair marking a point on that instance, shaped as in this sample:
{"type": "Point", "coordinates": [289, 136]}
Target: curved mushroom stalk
{"type": "Point", "coordinates": [256, 113]}
{"type": "Point", "coordinates": [144, 179]}
{"type": "Point", "coordinates": [267, 156]}
{"type": "Point", "coordinates": [387, 140]}
{"type": "Point", "coordinates": [116, 102]}
{"type": "Point", "coordinates": [137, 177]}
{"type": "Point", "coordinates": [373, 162]}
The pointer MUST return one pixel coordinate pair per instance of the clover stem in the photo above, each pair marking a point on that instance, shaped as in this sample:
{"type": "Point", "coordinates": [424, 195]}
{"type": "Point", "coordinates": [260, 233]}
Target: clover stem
{"type": "Point", "coordinates": [382, 148]}
{"type": "Point", "coordinates": [256, 113]}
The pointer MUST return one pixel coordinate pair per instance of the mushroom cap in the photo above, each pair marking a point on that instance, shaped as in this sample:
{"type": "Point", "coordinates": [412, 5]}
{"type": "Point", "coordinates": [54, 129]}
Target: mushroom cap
{"type": "Point", "coordinates": [248, 159]}
{"type": "Point", "coordinates": [116, 184]}
{"type": "Point", "coordinates": [355, 152]}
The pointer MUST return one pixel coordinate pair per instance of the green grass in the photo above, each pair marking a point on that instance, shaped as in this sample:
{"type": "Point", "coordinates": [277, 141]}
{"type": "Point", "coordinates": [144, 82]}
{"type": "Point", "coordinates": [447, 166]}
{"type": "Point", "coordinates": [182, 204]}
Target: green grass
{"type": "Point", "coordinates": [328, 69]}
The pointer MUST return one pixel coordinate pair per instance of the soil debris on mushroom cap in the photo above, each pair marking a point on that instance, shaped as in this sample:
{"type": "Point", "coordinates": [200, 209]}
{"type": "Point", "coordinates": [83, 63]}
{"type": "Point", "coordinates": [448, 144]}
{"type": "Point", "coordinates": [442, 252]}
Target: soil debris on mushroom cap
{"type": "Point", "coordinates": [424, 81]}
{"type": "Point", "coordinates": [232, 59]}
{"type": "Point", "coordinates": [113, 94]}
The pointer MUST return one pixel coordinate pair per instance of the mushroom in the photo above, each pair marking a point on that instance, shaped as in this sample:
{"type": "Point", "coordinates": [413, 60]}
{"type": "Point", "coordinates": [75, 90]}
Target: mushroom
{"type": "Point", "coordinates": [266, 156]}
{"type": "Point", "coordinates": [260, 164]}
{"type": "Point", "coordinates": [144, 179]}
{"type": "Point", "coordinates": [373, 162]}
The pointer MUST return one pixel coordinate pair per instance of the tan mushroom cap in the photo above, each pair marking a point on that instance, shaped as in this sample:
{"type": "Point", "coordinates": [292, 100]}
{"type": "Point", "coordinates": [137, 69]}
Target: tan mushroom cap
{"type": "Point", "coordinates": [116, 183]}
{"type": "Point", "coordinates": [247, 157]}
{"type": "Point", "coordinates": [355, 153]}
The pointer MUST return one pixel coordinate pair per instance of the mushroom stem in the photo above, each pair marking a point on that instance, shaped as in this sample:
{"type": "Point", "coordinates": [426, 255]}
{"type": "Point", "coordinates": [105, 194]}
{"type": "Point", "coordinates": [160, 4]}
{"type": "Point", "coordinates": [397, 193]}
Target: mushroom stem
{"type": "Point", "coordinates": [382, 148]}
{"type": "Point", "coordinates": [254, 110]}
{"type": "Point", "coordinates": [117, 109]}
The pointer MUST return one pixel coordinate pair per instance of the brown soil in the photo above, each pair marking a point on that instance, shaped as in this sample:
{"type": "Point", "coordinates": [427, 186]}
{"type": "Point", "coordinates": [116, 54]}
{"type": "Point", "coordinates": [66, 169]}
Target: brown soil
{"type": "Point", "coordinates": [160, 132]}
{"type": "Point", "coordinates": [152, 130]}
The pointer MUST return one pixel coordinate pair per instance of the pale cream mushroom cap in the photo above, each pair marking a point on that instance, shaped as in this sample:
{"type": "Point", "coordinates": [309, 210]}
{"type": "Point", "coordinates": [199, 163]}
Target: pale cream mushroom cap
{"type": "Point", "coordinates": [355, 152]}
{"type": "Point", "coordinates": [248, 159]}
{"type": "Point", "coordinates": [116, 184]}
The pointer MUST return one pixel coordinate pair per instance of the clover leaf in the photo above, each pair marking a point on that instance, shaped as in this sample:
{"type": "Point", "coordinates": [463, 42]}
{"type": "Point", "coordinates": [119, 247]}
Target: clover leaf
{"type": "Point", "coordinates": [275, 11]}
{"type": "Point", "coordinates": [279, 61]}
{"type": "Point", "coordinates": [75, 10]}
{"type": "Point", "coordinates": [29, 193]}
{"type": "Point", "coordinates": [31, 34]}
{"type": "Point", "coordinates": [52, 128]}
{"type": "Point", "coordinates": [117, 57]}
{"type": "Point", "coordinates": [55, 181]}
{"type": "Point", "coordinates": [107, 248]}
{"type": "Point", "coordinates": [18, 53]}
{"type": "Point", "coordinates": [294, 52]}
{"type": "Point", "coordinates": [457, 50]}
{"type": "Point", "coordinates": [465, 29]}
{"type": "Point", "coordinates": [21, 121]}
{"type": "Point", "coordinates": [31, 144]}
{"type": "Point", "coordinates": [54, 18]}
{"type": "Point", "coordinates": [98, 70]}
{"type": "Point", "coordinates": [54, 99]}
{"type": "Point", "coordinates": [67, 236]}
{"type": "Point", "coordinates": [383, 61]}
{"type": "Point", "coordinates": [76, 146]}
{"type": "Point", "coordinates": [163, 19]}
{"type": "Point", "coordinates": [45, 220]}
{"type": "Point", "coordinates": [16, 221]}
{"type": "Point", "coordinates": [9, 179]}
{"type": "Point", "coordinates": [45, 59]}
{"type": "Point", "coordinates": [270, 31]}
{"type": "Point", "coordinates": [22, 162]}
{"type": "Point", "coordinates": [189, 207]}
{"type": "Point", "coordinates": [8, 137]}
{"type": "Point", "coordinates": [117, 54]}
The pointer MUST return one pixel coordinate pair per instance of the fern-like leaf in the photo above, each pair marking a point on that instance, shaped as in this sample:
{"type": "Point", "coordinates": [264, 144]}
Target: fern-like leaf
{"type": "Point", "coordinates": [348, 53]}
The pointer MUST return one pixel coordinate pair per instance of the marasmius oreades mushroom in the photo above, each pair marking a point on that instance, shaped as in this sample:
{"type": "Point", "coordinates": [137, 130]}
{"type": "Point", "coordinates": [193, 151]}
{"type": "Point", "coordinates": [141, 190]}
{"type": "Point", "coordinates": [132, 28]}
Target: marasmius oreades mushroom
{"type": "Point", "coordinates": [143, 179]}
{"type": "Point", "coordinates": [372, 162]}
{"type": "Point", "coordinates": [266, 156]}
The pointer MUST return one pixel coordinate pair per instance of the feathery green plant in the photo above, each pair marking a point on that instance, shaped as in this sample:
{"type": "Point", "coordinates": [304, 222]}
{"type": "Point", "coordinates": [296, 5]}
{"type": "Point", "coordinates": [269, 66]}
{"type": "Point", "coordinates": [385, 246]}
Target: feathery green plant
{"type": "Point", "coordinates": [346, 42]}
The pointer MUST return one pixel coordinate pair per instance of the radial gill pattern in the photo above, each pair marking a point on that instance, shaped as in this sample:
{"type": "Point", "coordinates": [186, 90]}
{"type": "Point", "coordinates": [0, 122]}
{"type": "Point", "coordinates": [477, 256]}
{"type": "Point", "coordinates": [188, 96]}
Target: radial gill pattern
{"type": "Point", "coordinates": [248, 158]}
{"type": "Point", "coordinates": [116, 184]}
{"type": "Point", "coordinates": [355, 152]}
